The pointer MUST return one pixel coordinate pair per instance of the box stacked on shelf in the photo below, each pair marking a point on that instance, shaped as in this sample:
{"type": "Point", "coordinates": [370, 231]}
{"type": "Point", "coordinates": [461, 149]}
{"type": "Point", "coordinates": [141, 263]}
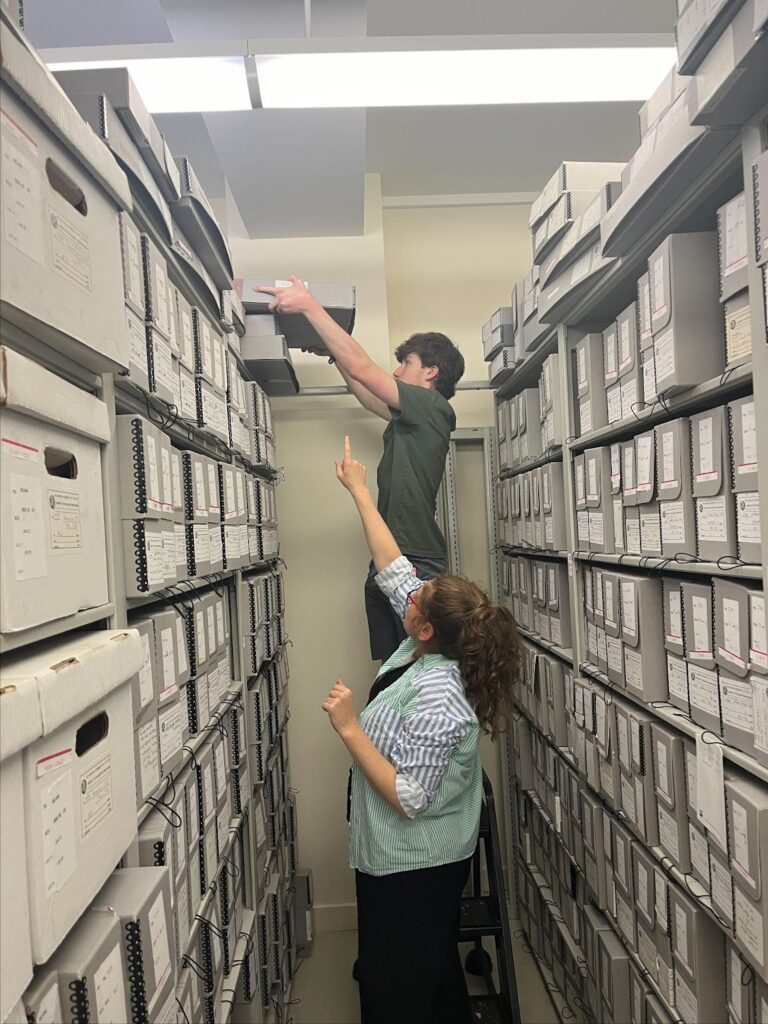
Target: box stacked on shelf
{"type": "Point", "coordinates": [262, 433]}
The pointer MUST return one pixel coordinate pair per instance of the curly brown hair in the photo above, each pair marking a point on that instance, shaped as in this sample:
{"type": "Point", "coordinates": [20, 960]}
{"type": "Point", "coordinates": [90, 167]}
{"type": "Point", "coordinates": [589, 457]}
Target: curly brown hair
{"type": "Point", "coordinates": [482, 637]}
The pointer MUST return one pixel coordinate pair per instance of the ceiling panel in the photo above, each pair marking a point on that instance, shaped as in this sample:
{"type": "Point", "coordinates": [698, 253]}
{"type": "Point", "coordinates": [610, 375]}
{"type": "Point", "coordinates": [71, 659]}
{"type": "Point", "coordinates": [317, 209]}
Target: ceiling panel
{"type": "Point", "coordinates": [454, 150]}
{"type": "Point", "coordinates": [517, 17]}
{"type": "Point", "coordinates": [51, 23]}
{"type": "Point", "coordinates": [294, 173]}
{"type": "Point", "coordinates": [193, 21]}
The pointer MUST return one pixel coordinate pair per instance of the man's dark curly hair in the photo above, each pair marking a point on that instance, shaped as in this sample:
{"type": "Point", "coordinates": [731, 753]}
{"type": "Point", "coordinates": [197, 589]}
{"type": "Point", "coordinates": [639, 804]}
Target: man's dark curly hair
{"type": "Point", "coordinates": [434, 349]}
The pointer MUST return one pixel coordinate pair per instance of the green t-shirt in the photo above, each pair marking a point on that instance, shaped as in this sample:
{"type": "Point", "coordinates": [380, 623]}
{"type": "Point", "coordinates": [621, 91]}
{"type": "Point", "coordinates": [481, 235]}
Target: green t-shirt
{"type": "Point", "coordinates": [411, 469]}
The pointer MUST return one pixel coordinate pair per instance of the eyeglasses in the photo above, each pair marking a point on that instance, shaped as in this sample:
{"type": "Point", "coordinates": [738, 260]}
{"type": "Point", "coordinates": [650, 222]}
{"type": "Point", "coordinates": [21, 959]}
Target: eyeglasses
{"type": "Point", "coordinates": [410, 599]}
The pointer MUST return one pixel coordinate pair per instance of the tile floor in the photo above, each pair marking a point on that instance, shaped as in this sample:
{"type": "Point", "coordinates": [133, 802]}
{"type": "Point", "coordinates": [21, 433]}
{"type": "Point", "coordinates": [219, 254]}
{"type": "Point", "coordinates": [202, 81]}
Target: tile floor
{"type": "Point", "coordinates": [325, 993]}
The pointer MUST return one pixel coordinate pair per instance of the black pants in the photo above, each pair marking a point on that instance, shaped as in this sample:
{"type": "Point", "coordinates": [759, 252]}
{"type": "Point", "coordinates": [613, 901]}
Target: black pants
{"type": "Point", "coordinates": [385, 629]}
{"type": "Point", "coordinates": [409, 966]}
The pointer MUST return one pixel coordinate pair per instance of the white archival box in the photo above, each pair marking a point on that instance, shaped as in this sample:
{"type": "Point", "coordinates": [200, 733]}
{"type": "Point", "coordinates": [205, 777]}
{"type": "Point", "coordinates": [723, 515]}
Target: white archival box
{"type": "Point", "coordinates": [62, 190]}
{"type": "Point", "coordinates": [18, 727]}
{"type": "Point", "coordinates": [51, 506]}
{"type": "Point", "coordinates": [78, 773]}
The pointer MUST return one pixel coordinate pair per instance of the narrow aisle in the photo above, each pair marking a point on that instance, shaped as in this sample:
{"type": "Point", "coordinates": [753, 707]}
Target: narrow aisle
{"type": "Point", "coordinates": [325, 993]}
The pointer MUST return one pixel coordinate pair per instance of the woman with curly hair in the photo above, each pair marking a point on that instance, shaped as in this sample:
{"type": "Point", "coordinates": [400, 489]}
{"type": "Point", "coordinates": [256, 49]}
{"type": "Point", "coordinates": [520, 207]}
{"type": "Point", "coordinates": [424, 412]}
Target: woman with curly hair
{"type": "Point", "coordinates": [416, 781]}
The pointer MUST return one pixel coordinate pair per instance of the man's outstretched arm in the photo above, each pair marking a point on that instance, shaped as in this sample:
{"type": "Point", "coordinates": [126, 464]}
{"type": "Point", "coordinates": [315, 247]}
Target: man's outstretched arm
{"type": "Point", "coordinates": [353, 361]}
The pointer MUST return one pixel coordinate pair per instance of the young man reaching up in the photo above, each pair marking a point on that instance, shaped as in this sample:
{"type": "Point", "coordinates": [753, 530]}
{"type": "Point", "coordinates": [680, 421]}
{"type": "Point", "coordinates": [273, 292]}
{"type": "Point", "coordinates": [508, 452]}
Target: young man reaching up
{"type": "Point", "coordinates": [415, 402]}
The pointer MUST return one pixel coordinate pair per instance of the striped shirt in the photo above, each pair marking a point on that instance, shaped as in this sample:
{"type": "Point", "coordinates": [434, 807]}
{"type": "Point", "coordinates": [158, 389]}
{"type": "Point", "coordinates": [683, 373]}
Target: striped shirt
{"type": "Point", "coordinates": [424, 725]}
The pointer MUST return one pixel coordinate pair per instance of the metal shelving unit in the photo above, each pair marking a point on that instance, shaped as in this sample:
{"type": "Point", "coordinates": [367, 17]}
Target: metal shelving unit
{"type": "Point", "coordinates": [591, 308]}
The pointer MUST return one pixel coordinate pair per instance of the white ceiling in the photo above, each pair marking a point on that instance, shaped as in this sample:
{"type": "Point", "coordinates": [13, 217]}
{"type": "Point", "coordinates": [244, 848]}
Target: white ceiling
{"type": "Point", "coordinates": [300, 173]}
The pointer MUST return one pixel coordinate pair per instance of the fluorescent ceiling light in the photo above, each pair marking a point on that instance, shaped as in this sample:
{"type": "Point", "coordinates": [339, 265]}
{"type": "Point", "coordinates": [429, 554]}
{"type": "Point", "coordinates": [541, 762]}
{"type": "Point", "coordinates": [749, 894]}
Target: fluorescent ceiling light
{"type": "Point", "coordinates": [462, 77]}
{"type": "Point", "coordinates": [397, 79]}
{"type": "Point", "coordinates": [178, 85]}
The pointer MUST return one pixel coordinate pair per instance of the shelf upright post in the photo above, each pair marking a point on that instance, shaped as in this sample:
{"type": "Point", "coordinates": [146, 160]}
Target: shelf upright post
{"type": "Point", "coordinates": [754, 143]}
{"type": "Point", "coordinates": [110, 475]}
{"type": "Point", "coordinates": [567, 338]}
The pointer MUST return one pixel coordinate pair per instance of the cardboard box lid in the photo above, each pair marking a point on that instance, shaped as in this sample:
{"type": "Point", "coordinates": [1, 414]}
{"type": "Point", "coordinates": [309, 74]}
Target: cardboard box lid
{"type": "Point", "coordinates": [29, 388]}
{"type": "Point", "coordinates": [23, 71]}
{"type": "Point", "coordinates": [69, 676]}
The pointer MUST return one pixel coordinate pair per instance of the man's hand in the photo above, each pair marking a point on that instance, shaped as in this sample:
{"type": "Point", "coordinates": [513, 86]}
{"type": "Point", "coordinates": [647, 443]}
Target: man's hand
{"type": "Point", "coordinates": [349, 472]}
{"type": "Point", "coordinates": [295, 299]}
{"type": "Point", "coordinates": [339, 708]}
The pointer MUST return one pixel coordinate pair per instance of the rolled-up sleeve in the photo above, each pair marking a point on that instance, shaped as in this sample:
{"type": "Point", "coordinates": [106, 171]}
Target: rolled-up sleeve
{"type": "Point", "coordinates": [421, 754]}
{"type": "Point", "coordinates": [397, 581]}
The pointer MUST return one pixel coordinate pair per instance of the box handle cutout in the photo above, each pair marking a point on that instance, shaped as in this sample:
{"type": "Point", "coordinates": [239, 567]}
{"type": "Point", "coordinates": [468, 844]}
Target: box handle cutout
{"type": "Point", "coordinates": [62, 183]}
{"type": "Point", "coordinates": [91, 733]}
{"type": "Point", "coordinates": [60, 463]}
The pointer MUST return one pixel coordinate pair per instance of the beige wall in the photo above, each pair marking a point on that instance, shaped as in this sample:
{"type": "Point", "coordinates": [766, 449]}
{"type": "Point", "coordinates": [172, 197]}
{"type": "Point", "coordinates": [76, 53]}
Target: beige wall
{"type": "Point", "coordinates": [414, 270]}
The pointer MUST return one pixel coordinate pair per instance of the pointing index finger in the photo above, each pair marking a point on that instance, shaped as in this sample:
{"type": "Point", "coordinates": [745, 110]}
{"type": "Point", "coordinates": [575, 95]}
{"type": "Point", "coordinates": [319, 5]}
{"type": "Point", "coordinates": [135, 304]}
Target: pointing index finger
{"type": "Point", "coordinates": [270, 289]}
{"type": "Point", "coordinates": [347, 447]}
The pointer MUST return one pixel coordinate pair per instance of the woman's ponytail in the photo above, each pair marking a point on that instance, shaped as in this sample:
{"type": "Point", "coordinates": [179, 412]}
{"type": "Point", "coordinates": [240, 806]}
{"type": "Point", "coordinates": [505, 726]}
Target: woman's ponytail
{"type": "Point", "coordinates": [482, 637]}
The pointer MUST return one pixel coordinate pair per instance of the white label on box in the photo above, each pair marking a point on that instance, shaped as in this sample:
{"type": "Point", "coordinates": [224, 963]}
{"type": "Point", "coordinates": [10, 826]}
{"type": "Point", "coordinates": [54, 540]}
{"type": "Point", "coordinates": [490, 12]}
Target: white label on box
{"type": "Point", "coordinates": [691, 769]}
{"type": "Point", "coordinates": [650, 531]}
{"type": "Point", "coordinates": [582, 365]}
{"type": "Point", "coordinates": [579, 479]}
{"type": "Point", "coordinates": [699, 851]}
{"type": "Point", "coordinates": [201, 507]}
{"type": "Point", "coordinates": [163, 365]}
{"type": "Point", "coordinates": [650, 391]}
{"type": "Point", "coordinates": [629, 471]}
{"type": "Point", "coordinates": [153, 498]}
{"type": "Point", "coordinates": [662, 771]}
{"type": "Point", "coordinates": [760, 698]}
{"type": "Point", "coordinates": [634, 730]}
{"type": "Point", "coordinates": [677, 678]}
{"type": "Point", "coordinates": [22, 195]}
{"type": "Point", "coordinates": [95, 794]}
{"type": "Point", "coordinates": [628, 801]}
{"type": "Point", "coordinates": [202, 541]}
{"type": "Point", "coordinates": [176, 486]}
{"type": "Point", "coordinates": [210, 619]}
{"type": "Point", "coordinates": [741, 840]}
{"type": "Point", "coordinates": [137, 337]}
{"type": "Point", "coordinates": [48, 1009]}
{"type": "Point", "coordinates": [736, 983]}
{"type": "Point", "coordinates": [29, 554]}
{"type": "Point", "coordinates": [618, 523]}
{"type": "Point", "coordinates": [181, 645]}
{"type": "Point", "coordinates": [625, 349]}
{"type": "Point", "coordinates": [669, 835]}
{"type": "Point", "coordinates": [596, 528]}
{"type": "Point", "coordinates": [200, 636]}
{"type": "Point", "coordinates": [633, 535]}
{"type": "Point", "coordinates": [737, 705]}
{"type": "Point", "coordinates": [169, 728]}
{"type": "Point", "coordinates": [625, 919]}
{"type": "Point", "coordinates": [710, 789]}
{"type": "Point", "coordinates": [673, 522]}
{"type": "Point", "coordinates": [582, 526]}
{"type": "Point", "coordinates": [748, 439]}
{"type": "Point", "coordinates": [712, 521]}
{"type": "Point", "coordinates": [731, 633]}
{"type": "Point", "coordinates": [155, 553]}
{"type": "Point", "coordinates": [209, 797]}
{"type": "Point", "coordinates": [660, 899]}
{"type": "Point", "coordinates": [162, 318]}
{"type": "Point", "coordinates": [706, 451]}
{"type": "Point", "coordinates": [613, 398]}
{"type": "Point", "coordinates": [165, 462]}
{"type": "Point", "coordinates": [642, 884]}
{"type": "Point", "coordinates": [681, 936]}
{"type": "Point", "coordinates": [722, 888]}
{"type": "Point", "coordinates": [749, 926]}
{"type": "Point", "coordinates": [214, 503]}
{"type": "Point", "coordinates": [58, 834]}
{"type": "Point", "coordinates": [667, 462]}
{"type": "Point", "coordinates": [149, 764]}
{"type": "Point", "coordinates": [629, 607]}
{"type": "Point", "coordinates": [146, 685]}
{"type": "Point", "coordinates": [674, 631]}
{"type": "Point", "coordinates": [758, 632]}
{"type": "Point", "coordinates": [158, 934]}
{"type": "Point", "coordinates": [625, 753]}
{"type": "Point", "coordinates": [169, 555]}
{"type": "Point", "coordinates": [659, 301]}
{"type": "Point", "coordinates": [702, 637]}
{"type": "Point", "coordinates": [748, 518]}
{"type": "Point", "coordinates": [685, 1000]}
{"type": "Point", "coordinates": [216, 545]}
{"type": "Point", "coordinates": [585, 415]}
{"type": "Point", "coordinates": [108, 986]}
{"type": "Point", "coordinates": [664, 356]}
{"type": "Point", "coordinates": [169, 662]}
{"type": "Point", "coordinates": [633, 668]}
{"type": "Point", "coordinates": [703, 690]}
{"type": "Point", "coordinates": [735, 236]}
{"type": "Point", "coordinates": [70, 250]}
{"type": "Point", "coordinates": [628, 397]}
{"type": "Point", "coordinates": [644, 448]}
{"type": "Point", "coordinates": [230, 507]}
